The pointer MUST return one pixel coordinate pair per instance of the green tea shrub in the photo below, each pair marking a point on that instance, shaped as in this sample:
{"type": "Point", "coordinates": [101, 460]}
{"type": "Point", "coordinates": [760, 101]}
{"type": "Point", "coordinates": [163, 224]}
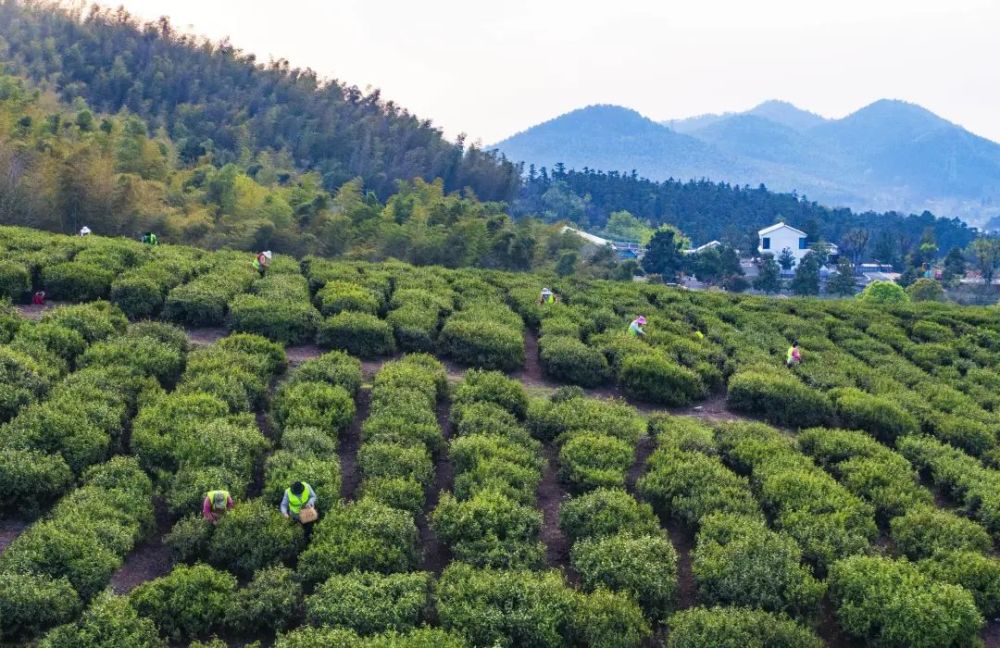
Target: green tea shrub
{"type": "Point", "coordinates": [309, 441]}
{"type": "Point", "coordinates": [877, 415]}
{"type": "Point", "coordinates": [94, 322]}
{"type": "Point", "coordinates": [73, 281]}
{"type": "Point", "coordinates": [589, 461]}
{"type": "Point", "coordinates": [977, 573]}
{"type": "Point", "coordinates": [369, 603]}
{"type": "Point", "coordinates": [606, 512]}
{"type": "Point", "coordinates": [22, 380]}
{"type": "Point", "coordinates": [30, 603]}
{"type": "Point", "coordinates": [606, 618]}
{"type": "Point", "coordinates": [168, 334]}
{"type": "Point", "coordinates": [415, 327]}
{"type": "Point", "coordinates": [261, 355]}
{"type": "Point", "coordinates": [252, 536]}
{"type": "Point", "coordinates": [554, 418]}
{"type": "Point", "coordinates": [925, 531]}
{"type": "Point", "coordinates": [137, 296]}
{"type": "Point", "coordinates": [891, 603]}
{"type": "Point", "coordinates": [197, 304]}
{"type": "Point", "coordinates": [567, 359]}
{"type": "Point", "coordinates": [489, 530]}
{"type": "Point", "coordinates": [739, 561]}
{"type": "Point", "coordinates": [363, 535]}
{"type": "Point", "coordinates": [492, 387]}
{"type": "Point", "coordinates": [314, 404]}
{"type": "Point", "coordinates": [189, 537]}
{"type": "Point", "coordinates": [270, 602]}
{"type": "Point", "coordinates": [684, 433]}
{"type": "Point", "coordinates": [654, 379]}
{"type": "Point", "coordinates": [690, 485]}
{"type": "Point", "coordinates": [360, 334]}
{"type": "Point", "coordinates": [31, 480]}
{"type": "Point", "coordinates": [401, 493]}
{"type": "Point", "coordinates": [15, 281]}
{"type": "Point", "coordinates": [729, 627]}
{"type": "Point", "coordinates": [507, 608]}
{"type": "Point", "coordinates": [483, 343]}
{"type": "Point", "coordinates": [338, 296]}
{"type": "Point", "coordinates": [643, 566]}
{"type": "Point", "coordinates": [383, 460]}
{"type": "Point", "coordinates": [109, 621]}
{"type": "Point", "coordinates": [334, 367]}
{"type": "Point", "coordinates": [143, 355]}
{"type": "Point", "coordinates": [282, 320]}
{"type": "Point", "coordinates": [186, 603]}
{"type": "Point", "coordinates": [781, 400]}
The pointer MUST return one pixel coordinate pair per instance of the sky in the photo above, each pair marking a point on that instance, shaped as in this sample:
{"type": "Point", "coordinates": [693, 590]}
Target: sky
{"type": "Point", "coordinates": [491, 69]}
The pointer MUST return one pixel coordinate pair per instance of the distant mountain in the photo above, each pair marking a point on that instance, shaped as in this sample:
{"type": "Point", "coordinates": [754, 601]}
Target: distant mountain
{"type": "Point", "coordinates": [890, 155]}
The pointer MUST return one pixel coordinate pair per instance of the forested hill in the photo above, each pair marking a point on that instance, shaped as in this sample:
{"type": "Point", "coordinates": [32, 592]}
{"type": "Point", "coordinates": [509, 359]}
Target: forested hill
{"type": "Point", "coordinates": [213, 99]}
{"type": "Point", "coordinates": [706, 210]}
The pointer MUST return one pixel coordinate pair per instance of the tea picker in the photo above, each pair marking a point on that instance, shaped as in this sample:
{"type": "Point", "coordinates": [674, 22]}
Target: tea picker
{"type": "Point", "coordinates": [794, 356]}
{"type": "Point", "coordinates": [547, 297]}
{"type": "Point", "coordinates": [216, 503]}
{"type": "Point", "coordinates": [262, 261]}
{"type": "Point", "coordinates": [299, 504]}
{"type": "Point", "coordinates": [635, 328]}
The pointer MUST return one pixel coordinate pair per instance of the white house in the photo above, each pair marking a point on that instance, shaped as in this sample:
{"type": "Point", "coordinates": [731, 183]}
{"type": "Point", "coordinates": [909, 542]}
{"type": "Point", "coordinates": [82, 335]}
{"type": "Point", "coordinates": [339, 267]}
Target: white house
{"type": "Point", "coordinates": [779, 237]}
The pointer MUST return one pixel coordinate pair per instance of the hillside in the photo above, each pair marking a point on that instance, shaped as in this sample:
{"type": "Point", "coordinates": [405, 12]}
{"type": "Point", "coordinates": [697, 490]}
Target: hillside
{"type": "Point", "coordinates": [218, 102]}
{"type": "Point", "coordinates": [889, 156]}
{"type": "Point", "coordinates": [475, 484]}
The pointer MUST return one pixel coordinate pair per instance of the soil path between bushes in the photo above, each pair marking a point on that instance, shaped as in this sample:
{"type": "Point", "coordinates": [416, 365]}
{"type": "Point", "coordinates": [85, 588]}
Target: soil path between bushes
{"type": "Point", "coordinates": [436, 553]}
{"type": "Point", "coordinates": [147, 561]}
{"type": "Point", "coordinates": [9, 530]}
{"type": "Point", "coordinates": [551, 496]}
{"type": "Point", "coordinates": [350, 443]}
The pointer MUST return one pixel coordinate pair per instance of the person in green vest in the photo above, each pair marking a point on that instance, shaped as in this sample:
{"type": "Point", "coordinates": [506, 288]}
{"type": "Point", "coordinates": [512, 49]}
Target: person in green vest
{"type": "Point", "coordinates": [149, 238]}
{"type": "Point", "coordinates": [299, 496]}
{"type": "Point", "coordinates": [216, 503]}
{"type": "Point", "coordinates": [547, 297]}
{"type": "Point", "coordinates": [794, 356]}
{"type": "Point", "coordinates": [635, 328]}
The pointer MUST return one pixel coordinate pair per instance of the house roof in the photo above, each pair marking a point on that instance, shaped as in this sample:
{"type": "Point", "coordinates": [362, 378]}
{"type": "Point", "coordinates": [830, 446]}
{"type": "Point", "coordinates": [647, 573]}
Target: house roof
{"type": "Point", "coordinates": [596, 240]}
{"type": "Point", "coordinates": [778, 226]}
{"type": "Point", "coordinates": [702, 248]}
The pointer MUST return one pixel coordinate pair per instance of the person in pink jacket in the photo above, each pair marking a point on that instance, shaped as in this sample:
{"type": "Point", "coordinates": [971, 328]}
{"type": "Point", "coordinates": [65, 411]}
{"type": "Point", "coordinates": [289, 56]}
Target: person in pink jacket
{"type": "Point", "coordinates": [216, 503]}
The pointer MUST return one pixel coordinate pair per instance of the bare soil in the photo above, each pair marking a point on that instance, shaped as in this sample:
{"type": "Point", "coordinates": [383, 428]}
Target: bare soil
{"type": "Point", "coordinates": [349, 445]}
{"type": "Point", "coordinates": [9, 530]}
{"type": "Point", "coordinates": [683, 541]}
{"type": "Point", "coordinates": [830, 630]}
{"type": "Point", "coordinates": [551, 496]}
{"type": "Point", "coordinates": [35, 312]}
{"type": "Point", "coordinates": [436, 553]}
{"type": "Point", "coordinates": [147, 561]}
{"type": "Point", "coordinates": [991, 634]}
{"type": "Point", "coordinates": [643, 449]}
{"type": "Point", "coordinates": [298, 354]}
{"type": "Point", "coordinates": [205, 336]}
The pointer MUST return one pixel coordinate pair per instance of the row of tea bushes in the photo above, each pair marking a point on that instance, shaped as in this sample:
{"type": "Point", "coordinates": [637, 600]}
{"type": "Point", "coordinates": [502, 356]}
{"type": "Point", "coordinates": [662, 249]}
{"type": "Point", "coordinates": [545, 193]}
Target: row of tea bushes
{"type": "Point", "coordinates": [687, 481]}
{"type": "Point", "coordinates": [204, 300]}
{"type": "Point", "coordinates": [483, 332]}
{"type": "Point", "coordinates": [396, 461]}
{"type": "Point", "coordinates": [277, 307]}
{"type": "Point", "coordinates": [84, 420]}
{"type": "Point", "coordinates": [141, 292]}
{"type": "Point", "coordinates": [203, 435]}
{"type": "Point", "coordinates": [948, 547]}
{"type": "Point", "coordinates": [490, 519]}
{"type": "Point", "coordinates": [62, 561]}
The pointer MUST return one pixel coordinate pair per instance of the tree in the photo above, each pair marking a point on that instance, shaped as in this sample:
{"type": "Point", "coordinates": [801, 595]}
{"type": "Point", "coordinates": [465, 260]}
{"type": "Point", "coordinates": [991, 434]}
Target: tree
{"type": "Point", "coordinates": [954, 266]}
{"type": "Point", "coordinates": [624, 225]}
{"type": "Point", "coordinates": [769, 277]}
{"type": "Point", "coordinates": [806, 279]}
{"type": "Point", "coordinates": [786, 259]}
{"type": "Point", "coordinates": [986, 256]}
{"type": "Point", "coordinates": [925, 290]}
{"type": "Point", "coordinates": [884, 292]}
{"type": "Point", "coordinates": [706, 265]}
{"type": "Point", "coordinates": [854, 243]}
{"type": "Point", "coordinates": [842, 281]}
{"type": "Point", "coordinates": [663, 256]}
{"type": "Point", "coordinates": [626, 270]}
{"type": "Point", "coordinates": [566, 265]}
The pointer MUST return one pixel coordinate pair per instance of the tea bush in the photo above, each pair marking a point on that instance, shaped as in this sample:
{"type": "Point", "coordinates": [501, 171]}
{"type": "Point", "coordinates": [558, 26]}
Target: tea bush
{"type": "Point", "coordinates": [977, 573]}
{"type": "Point", "coordinates": [589, 461]}
{"type": "Point", "coordinates": [507, 608]}
{"type": "Point", "coordinates": [252, 536]}
{"type": "Point", "coordinates": [188, 602]}
{"type": "Point", "coordinates": [554, 418]}
{"type": "Point", "coordinates": [334, 367]}
{"type": "Point", "coordinates": [877, 415]}
{"type": "Point", "coordinates": [363, 535]}
{"type": "Point", "coordinates": [109, 621]}
{"type": "Point", "coordinates": [890, 603]}
{"type": "Point", "coordinates": [643, 566]}
{"type": "Point", "coordinates": [569, 360]}
{"type": "Point", "coordinates": [314, 404]}
{"type": "Point", "coordinates": [781, 400]}
{"type": "Point", "coordinates": [270, 602]}
{"type": "Point", "coordinates": [492, 387]}
{"type": "Point", "coordinates": [606, 512]}
{"type": "Point", "coordinates": [739, 561]}
{"type": "Point", "coordinates": [370, 603]}
{"type": "Point", "coordinates": [489, 529]}
{"type": "Point", "coordinates": [612, 619]}
{"type": "Point", "coordinates": [737, 628]}
{"type": "Point", "coordinates": [74, 281]}
{"type": "Point", "coordinates": [338, 296]}
{"type": "Point", "coordinates": [482, 342]}
{"type": "Point", "coordinates": [15, 281]}
{"type": "Point", "coordinates": [30, 603]}
{"type": "Point", "coordinates": [654, 379]}
{"type": "Point", "coordinates": [925, 531]}
{"type": "Point", "coordinates": [360, 334]}
{"type": "Point", "coordinates": [282, 320]}
{"type": "Point", "coordinates": [31, 480]}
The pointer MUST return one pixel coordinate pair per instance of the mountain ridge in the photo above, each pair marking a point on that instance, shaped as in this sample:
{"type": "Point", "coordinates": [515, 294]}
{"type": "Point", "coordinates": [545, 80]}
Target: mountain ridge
{"type": "Point", "coordinates": [887, 155]}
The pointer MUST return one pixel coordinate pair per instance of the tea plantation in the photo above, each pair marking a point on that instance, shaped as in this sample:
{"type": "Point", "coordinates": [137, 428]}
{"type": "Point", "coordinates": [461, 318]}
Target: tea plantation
{"type": "Point", "coordinates": [489, 471]}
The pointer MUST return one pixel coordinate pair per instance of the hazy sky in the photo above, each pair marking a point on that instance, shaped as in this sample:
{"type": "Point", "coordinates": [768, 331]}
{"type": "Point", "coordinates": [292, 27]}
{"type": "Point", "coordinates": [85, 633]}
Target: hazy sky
{"type": "Point", "coordinates": [490, 69]}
